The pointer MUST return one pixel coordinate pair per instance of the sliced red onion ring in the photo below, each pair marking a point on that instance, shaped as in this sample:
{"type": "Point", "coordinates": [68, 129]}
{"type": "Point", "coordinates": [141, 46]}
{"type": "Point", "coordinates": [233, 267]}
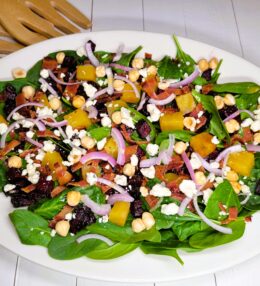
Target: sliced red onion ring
{"type": "Point", "coordinates": [148, 162]}
{"type": "Point", "coordinates": [120, 198]}
{"type": "Point", "coordinates": [92, 111]}
{"type": "Point", "coordinates": [117, 136]}
{"type": "Point", "coordinates": [95, 236]}
{"type": "Point", "coordinates": [187, 80]}
{"type": "Point", "coordinates": [217, 227]}
{"type": "Point", "coordinates": [112, 185]}
{"type": "Point", "coordinates": [98, 156]}
{"type": "Point", "coordinates": [100, 92]}
{"type": "Point", "coordinates": [164, 158]}
{"type": "Point", "coordinates": [171, 144]}
{"type": "Point", "coordinates": [253, 148]}
{"type": "Point", "coordinates": [96, 208]}
{"type": "Point", "coordinates": [52, 75]}
{"type": "Point", "coordinates": [110, 88]}
{"type": "Point", "coordinates": [34, 142]}
{"type": "Point", "coordinates": [119, 53]}
{"type": "Point", "coordinates": [235, 114]}
{"type": "Point", "coordinates": [207, 166]}
{"type": "Point", "coordinates": [246, 199]}
{"type": "Point", "coordinates": [163, 101]}
{"type": "Point", "coordinates": [91, 56]}
{"type": "Point", "coordinates": [56, 123]}
{"type": "Point", "coordinates": [232, 149]}
{"type": "Point", "coordinates": [48, 86]}
{"type": "Point", "coordinates": [130, 83]}
{"type": "Point", "coordinates": [142, 102]}
{"type": "Point", "coordinates": [123, 68]}
{"type": "Point", "coordinates": [183, 206]}
{"type": "Point", "coordinates": [23, 105]}
{"type": "Point", "coordinates": [188, 165]}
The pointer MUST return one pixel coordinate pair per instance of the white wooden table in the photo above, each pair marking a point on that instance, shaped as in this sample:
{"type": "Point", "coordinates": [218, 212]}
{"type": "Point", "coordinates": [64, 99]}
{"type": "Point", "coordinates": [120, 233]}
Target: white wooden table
{"type": "Point", "coordinates": [232, 25]}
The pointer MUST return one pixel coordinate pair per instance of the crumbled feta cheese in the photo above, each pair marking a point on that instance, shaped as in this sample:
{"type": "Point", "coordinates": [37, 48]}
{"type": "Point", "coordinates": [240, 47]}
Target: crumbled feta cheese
{"type": "Point", "coordinates": [170, 209]}
{"type": "Point", "coordinates": [76, 142]}
{"type": "Point", "coordinates": [155, 113]}
{"type": "Point", "coordinates": [3, 128]}
{"type": "Point", "coordinates": [53, 232]}
{"type": "Point", "coordinates": [103, 219]}
{"type": "Point", "coordinates": [89, 89]}
{"type": "Point", "coordinates": [195, 162]}
{"type": "Point", "coordinates": [198, 88]}
{"type": "Point", "coordinates": [188, 187]}
{"type": "Point", "coordinates": [206, 195]}
{"type": "Point", "coordinates": [218, 180]}
{"type": "Point", "coordinates": [56, 132]}
{"type": "Point", "coordinates": [44, 111]}
{"type": "Point", "coordinates": [134, 160]}
{"type": "Point", "coordinates": [27, 124]}
{"type": "Point", "coordinates": [34, 177]}
{"type": "Point", "coordinates": [126, 118]}
{"type": "Point", "coordinates": [24, 172]}
{"type": "Point", "coordinates": [214, 165]}
{"type": "Point", "coordinates": [211, 177]}
{"type": "Point", "coordinates": [200, 114]}
{"type": "Point", "coordinates": [90, 103]}
{"type": "Point", "coordinates": [74, 156]}
{"type": "Point", "coordinates": [68, 216]}
{"type": "Point", "coordinates": [49, 178]}
{"type": "Point", "coordinates": [152, 149]}
{"type": "Point", "coordinates": [48, 146]}
{"type": "Point", "coordinates": [81, 52]}
{"type": "Point", "coordinates": [101, 143]}
{"type": "Point", "coordinates": [121, 180]}
{"type": "Point", "coordinates": [143, 72]}
{"type": "Point", "coordinates": [44, 87]}
{"type": "Point", "coordinates": [223, 213]}
{"type": "Point", "coordinates": [17, 116]}
{"type": "Point", "coordinates": [255, 126]}
{"type": "Point", "coordinates": [70, 132]}
{"type": "Point", "coordinates": [40, 155]}
{"type": "Point", "coordinates": [9, 187]}
{"type": "Point", "coordinates": [247, 122]}
{"type": "Point", "coordinates": [62, 75]}
{"type": "Point", "coordinates": [148, 172]}
{"type": "Point", "coordinates": [82, 133]}
{"type": "Point", "coordinates": [245, 189]}
{"type": "Point", "coordinates": [159, 190]}
{"type": "Point", "coordinates": [44, 73]}
{"type": "Point", "coordinates": [106, 121]}
{"type": "Point", "coordinates": [215, 140]}
{"type": "Point", "coordinates": [67, 163]}
{"type": "Point", "coordinates": [30, 134]}
{"type": "Point", "coordinates": [91, 178]}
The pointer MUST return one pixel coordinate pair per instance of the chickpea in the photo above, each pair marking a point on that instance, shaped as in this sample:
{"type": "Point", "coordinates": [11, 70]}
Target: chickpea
{"type": "Point", "coordinates": [203, 65]}
{"type": "Point", "coordinates": [229, 99]}
{"type": "Point", "coordinates": [19, 73]}
{"type": "Point", "coordinates": [232, 176]}
{"type": "Point", "coordinates": [213, 63]}
{"type": "Point", "coordinates": [118, 85]}
{"type": "Point", "coordinates": [100, 71]}
{"type": "Point", "coordinates": [163, 85]}
{"type": "Point", "coordinates": [138, 225]}
{"type": "Point", "coordinates": [190, 123]}
{"type": "Point", "coordinates": [138, 63]}
{"type": "Point", "coordinates": [133, 75]}
{"type": "Point", "coordinates": [62, 227]}
{"type": "Point", "coordinates": [257, 138]}
{"type": "Point", "coordinates": [232, 126]}
{"type": "Point", "coordinates": [78, 101]}
{"type": "Point", "coordinates": [200, 178]}
{"type": "Point", "coordinates": [73, 198]}
{"type": "Point", "coordinates": [219, 102]}
{"type": "Point", "coordinates": [180, 147]}
{"type": "Point", "coordinates": [144, 191]}
{"type": "Point", "coordinates": [88, 142]}
{"type": "Point", "coordinates": [60, 57]}
{"type": "Point", "coordinates": [28, 91]}
{"type": "Point", "coordinates": [236, 186]}
{"type": "Point", "coordinates": [117, 117]}
{"type": "Point", "coordinates": [15, 162]}
{"type": "Point", "coordinates": [55, 103]}
{"type": "Point", "coordinates": [148, 220]}
{"type": "Point", "coordinates": [129, 170]}
{"type": "Point", "coordinates": [152, 70]}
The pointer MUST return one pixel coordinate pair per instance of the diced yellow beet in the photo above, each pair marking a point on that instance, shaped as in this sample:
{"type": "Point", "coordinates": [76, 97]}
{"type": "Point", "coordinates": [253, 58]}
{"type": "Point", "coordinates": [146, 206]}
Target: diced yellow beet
{"type": "Point", "coordinates": [185, 103]}
{"type": "Point", "coordinates": [241, 162]}
{"type": "Point", "coordinates": [50, 158]}
{"type": "Point", "coordinates": [78, 119]}
{"type": "Point", "coordinates": [202, 144]}
{"type": "Point", "coordinates": [111, 147]}
{"type": "Point", "coordinates": [87, 168]}
{"type": "Point", "coordinates": [87, 72]}
{"type": "Point", "coordinates": [171, 177]}
{"type": "Point", "coordinates": [42, 98]}
{"type": "Point", "coordinates": [171, 121]}
{"type": "Point", "coordinates": [128, 94]}
{"type": "Point", "coordinates": [2, 119]}
{"type": "Point", "coordinates": [119, 213]}
{"type": "Point", "coordinates": [115, 105]}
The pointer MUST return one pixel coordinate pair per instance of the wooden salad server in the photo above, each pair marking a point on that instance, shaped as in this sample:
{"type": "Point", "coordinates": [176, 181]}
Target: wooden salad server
{"type": "Point", "coordinates": [7, 47]}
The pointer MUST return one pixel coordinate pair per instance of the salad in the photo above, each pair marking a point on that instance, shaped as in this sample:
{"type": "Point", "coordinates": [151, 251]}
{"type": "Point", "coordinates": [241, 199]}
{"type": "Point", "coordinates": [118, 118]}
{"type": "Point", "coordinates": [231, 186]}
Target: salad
{"type": "Point", "coordinates": [105, 152]}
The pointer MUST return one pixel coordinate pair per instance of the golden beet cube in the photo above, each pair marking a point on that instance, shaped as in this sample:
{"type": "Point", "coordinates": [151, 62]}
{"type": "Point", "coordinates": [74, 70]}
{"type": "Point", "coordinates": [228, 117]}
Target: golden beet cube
{"type": "Point", "coordinates": [78, 119]}
{"type": "Point", "coordinates": [171, 121]}
{"type": "Point", "coordinates": [87, 72]}
{"type": "Point", "coordinates": [119, 213]}
{"type": "Point", "coordinates": [111, 147]}
{"type": "Point", "coordinates": [128, 94]}
{"type": "Point", "coordinates": [241, 162]}
{"type": "Point", "coordinates": [202, 144]}
{"type": "Point", "coordinates": [185, 103]}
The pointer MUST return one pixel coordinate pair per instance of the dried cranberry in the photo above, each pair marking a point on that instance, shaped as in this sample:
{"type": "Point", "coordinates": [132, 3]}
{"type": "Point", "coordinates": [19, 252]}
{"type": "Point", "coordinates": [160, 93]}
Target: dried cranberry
{"type": "Point", "coordinates": [83, 217]}
{"type": "Point", "coordinates": [136, 208]}
{"type": "Point", "coordinates": [140, 153]}
{"type": "Point", "coordinates": [212, 156]}
{"type": "Point", "coordinates": [207, 74]}
{"type": "Point", "coordinates": [21, 199]}
{"type": "Point", "coordinates": [9, 95]}
{"type": "Point", "coordinates": [14, 174]}
{"type": "Point", "coordinates": [135, 182]}
{"type": "Point", "coordinates": [143, 128]}
{"type": "Point", "coordinates": [70, 63]}
{"type": "Point", "coordinates": [257, 187]}
{"type": "Point", "coordinates": [227, 110]}
{"type": "Point", "coordinates": [45, 186]}
{"type": "Point", "coordinates": [93, 45]}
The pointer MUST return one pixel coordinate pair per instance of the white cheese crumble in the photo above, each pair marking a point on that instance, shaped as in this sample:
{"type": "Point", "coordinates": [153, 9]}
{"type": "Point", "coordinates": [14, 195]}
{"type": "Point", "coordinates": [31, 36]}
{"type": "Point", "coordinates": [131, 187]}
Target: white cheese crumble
{"type": "Point", "coordinates": [155, 113]}
{"type": "Point", "coordinates": [49, 178]}
{"type": "Point", "coordinates": [170, 209]}
{"type": "Point", "coordinates": [126, 118]}
{"type": "Point", "coordinates": [148, 172]}
{"type": "Point", "coordinates": [74, 156]}
{"type": "Point", "coordinates": [214, 165]}
{"type": "Point", "coordinates": [143, 72]}
{"type": "Point", "coordinates": [45, 111]}
{"type": "Point", "coordinates": [27, 124]}
{"type": "Point", "coordinates": [3, 128]}
{"type": "Point", "coordinates": [90, 103]}
{"type": "Point", "coordinates": [44, 73]}
{"type": "Point", "coordinates": [255, 126]}
{"type": "Point", "coordinates": [159, 190]}
{"type": "Point", "coordinates": [40, 155]}
{"type": "Point", "coordinates": [245, 189]}
{"type": "Point", "coordinates": [81, 52]}
{"type": "Point", "coordinates": [53, 232]}
{"type": "Point", "coordinates": [68, 216]}
{"type": "Point", "coordinates": [206, 195]}
{"type": "Point", "coordinates": [134, 160]}
{"type": "Point", "coordinates": [103, 219]}
{"type": "Point", "coordinates": [247, 122]}
{"type": "Point", "coordinates": [101, 144]}
{"type": "Point", "coordinates": [188, 187]}
{"type": "Point", "coordinates": [30, 134]}
{"type": "Point", "coordinates": [89, 89]}
{"type": "Point", "coordinates": [17, 116]}
{"type": "Point", "coordinates": [70, 132]}
{"type": "Point", "coordinates": [121, 180]}
{"type": "Point", "coordinates": [91, 178]}
{"type": "Point", "coordinates": [56, 132]}
{"type": "Point", "coordinates": [48, 146]}
{"type": "Point", "coordinates": [215, 140]}
{"type": "Point", "coordinates": [195, 161]}
{"type": "Point", "coordinates": [198, 88]}
{"type": "Point", "coordinates": [106, 121]}
{"type": "Point", "coordinates": [9, 187]}
{"type": "Point", "coordinates": [152, 149]}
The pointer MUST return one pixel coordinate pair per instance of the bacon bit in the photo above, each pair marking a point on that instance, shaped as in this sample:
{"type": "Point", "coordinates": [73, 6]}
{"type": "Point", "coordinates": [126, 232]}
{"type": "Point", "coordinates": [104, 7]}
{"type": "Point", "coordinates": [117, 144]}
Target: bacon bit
{"type": "Point", "coordinates": [174, 185]}
{"type": "Point", "coordinates": [47, 133]}
{"type": "Point", "coordinates": [20, 99]}
{"type": "Point", "coordinates": [78, 184]}
{"type": "Point", "coordinates": [168, 109]}
{"type": "Point", "coordinates": [129, 151]}
{"type": "Point", "coordinates": [207, 88]}
{"type": "Point", "coordinates": [26, 152]}
{"type": "Point", "coordinates": [194, 113]}
{"type": "Point", "coordinates": [176, 163]}
{"type": "Point", "coordinates": [109, 177]}
{"type": "Point", "coordinates": [185, 89]}
{"type": "Point", "coordinates": [128, 138]}
{"type": "Point", "coordinates": [76, 167]}
{"type": "Point", "coordinates": [29, 188]}
{"type": "Point", "coordinates": [62, 174]}
{"type": "Point", "coordinates": [92, 166]}
{"type": "Point", "coordinates": [247, 136]}
{"type": "Point", "coordinates": [151, 201]}
{"type": "Point", "coordinates": [49, 63]}
{"type": "Point", "coordinates": [57, 190]}
{"type": "Point", "coordinates": [60, 216]}
{"type": "Point", "coordinates": [208, 185]}
{"type": "Point", "coordinates": [233, 212]}
{"type": "Point", "coordinates": [160, 172]}
{"type": "Point", "coordinates": [203, 121]}
{"type": "Point", "coordinates": [148, 56]}
{"type": "Point", "coordinates": [9, 147]}
{"type": "Point", "coordinates": [150, 86]}
{"type": "Point", "coordinates": [222, 208]}
{"type": "Point", "coordinates": [248, 219]}
{"type": "Point", "coordinates": [71, 90]}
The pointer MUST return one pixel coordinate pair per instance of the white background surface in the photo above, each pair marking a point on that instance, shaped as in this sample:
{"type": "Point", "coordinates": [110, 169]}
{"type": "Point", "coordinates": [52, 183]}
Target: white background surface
{"type": "Point", "coordinates": [230, 25]}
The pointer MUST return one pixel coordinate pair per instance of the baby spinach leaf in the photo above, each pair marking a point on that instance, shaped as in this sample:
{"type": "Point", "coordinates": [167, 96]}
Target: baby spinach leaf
{"type": "Point", "coordinates": [247, 101]}
{"type": "Point", "coordinates": [94, 192]}
{"type": "Point", "coordinates": [167, 69]}
{"type": "Point", "coordinates": [18, 84]}
{"type": "Point", "coordinates": [237, 87]}
{"type": "Point", "coordinates": [182, 135]}
{"type": "Point", "coordinates": [3, 179]}
{"type": "Point", "coordinates": [104, 57]}
{"type": "Point", "coordinates": [211, 238]}
{"type": "Point", "coordinates": [33, 74]}
{"type": "Point", "coordinates": [186, 229]}
{"type": "Point", "coordinates": [217, 126]}
{"type": "Point", "coordinates": [216, 73]}
{"type": "Point", "coordinates": [100, 133]}
{"type": "Point", "coordinates": [152, 182]}
{"type": "Point", "coordinates": [31, 228]}
{"type": "Point", "coordinates": [224, 194]}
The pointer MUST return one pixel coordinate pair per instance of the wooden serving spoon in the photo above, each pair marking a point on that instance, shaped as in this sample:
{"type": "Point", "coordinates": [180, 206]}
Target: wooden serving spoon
{"type": "Point", "coordinates": [7, 47]}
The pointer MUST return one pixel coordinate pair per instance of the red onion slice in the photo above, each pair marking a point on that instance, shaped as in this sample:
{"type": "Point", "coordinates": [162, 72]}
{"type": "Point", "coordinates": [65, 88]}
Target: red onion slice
{"type": "Point", "coordinates": [123, 68]}
{"type": "Point", "coordinates": [232, 149]}
{"type": "Point", "coordinates": [235, 114]}
{"type": "Point", "coordinates": [142, 102]}
{"type": "Point", "coordinates": [56, 123]}
{"type": "Point", "coordinates": [119, 53]}
{"type": "Point", "coordinates": [112, 185]}
{"type": "Point", "coordinates": [48, 86]}
{"type": "Point", "coordinates": [91, 56]}
{"type": "Point", "coordinates": [95, 236]}
{"type": "Point", "coordinates": [130, 83]}
{"type": "Point", "coordinates": [100, 92]}
{"type": "Point", "coordinates": [98, 156]}
{"type": "Point", "coordinates": [207, 166]}
{"type": "Point", "coordinates": [23, 105]}
{"type": "Point", "coordinates": [110, 88]}
{"type": "Point", "coordinates": [120, 198]}
{"type": "Point", "coordinates": [187, 80]}
{"type": "Point", "coordinates": [96, 208]}
{"type": "Point", "coordinates": [217, 227]}
{"type": "Point", "coordinates": [183, 206]}
{"type": "Point", "coordinates": [188, 165]}
{"type": "Point", "coordinates": [246, 199]}
{"type": "Point", "coordinates": [165, 101]}
{"type": "Point", "coordinates": [253, 148]}
{"type": "Point", "coordinates": [52, 75]}
{"type": "Point", "coordinates": [148, 162]}
{"type": "Point", "coordinates": [34, 142]}
{"type": "Point", "coordinates": [117, 136]}
{"type": "Point", "coordinates": [92, 111]}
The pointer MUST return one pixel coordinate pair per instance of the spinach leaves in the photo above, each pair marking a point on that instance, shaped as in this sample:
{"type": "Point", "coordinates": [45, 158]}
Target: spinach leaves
{"type": "Point", "coordinates": [3, 179]}
{"type": "Point", "coordinates": [167, 69]}
{"type": "Point", "coordinates": [182, 135]}
{"type": "Point", "coordinates": [237, 87]}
